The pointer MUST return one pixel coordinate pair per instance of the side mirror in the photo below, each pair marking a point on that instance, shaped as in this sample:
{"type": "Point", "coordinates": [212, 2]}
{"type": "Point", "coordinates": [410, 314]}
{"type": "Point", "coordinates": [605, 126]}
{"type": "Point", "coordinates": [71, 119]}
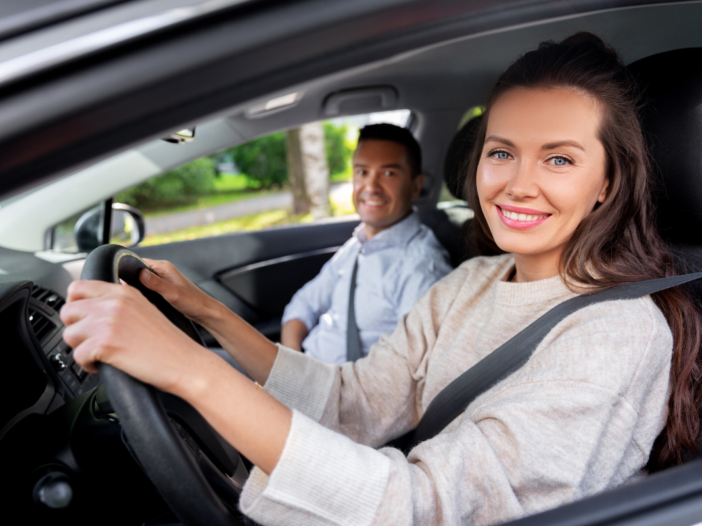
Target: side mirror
{"type": "Point", "coordinates": [126, 227]}
{"type": "Point", "coordinates": [88, 230]}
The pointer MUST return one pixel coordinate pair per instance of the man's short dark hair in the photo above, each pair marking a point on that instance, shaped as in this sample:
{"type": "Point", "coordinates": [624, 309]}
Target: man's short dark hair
{"type": "Point", "coordinates": [390, 132]}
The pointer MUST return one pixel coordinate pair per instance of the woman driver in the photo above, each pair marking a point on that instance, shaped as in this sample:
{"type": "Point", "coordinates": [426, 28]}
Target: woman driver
{"type": "Point", "coordinates": [559, 180]}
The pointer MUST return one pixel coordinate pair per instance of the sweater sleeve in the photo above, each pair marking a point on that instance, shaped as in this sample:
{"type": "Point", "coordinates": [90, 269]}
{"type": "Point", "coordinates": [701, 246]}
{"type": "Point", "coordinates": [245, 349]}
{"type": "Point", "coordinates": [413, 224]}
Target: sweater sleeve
{"type": "Point", "coordinates": [561, 428]}
{"type": "Point", "coordinates": [376, 398]}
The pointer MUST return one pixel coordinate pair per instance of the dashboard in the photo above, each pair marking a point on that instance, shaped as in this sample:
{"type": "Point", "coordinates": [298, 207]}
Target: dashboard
{"type": "Point", "coordinates": [43, 372]}
{"type": "Point", "coordinates": [65, 457]}
{"type": "Point", "coordinates": [62, 450]}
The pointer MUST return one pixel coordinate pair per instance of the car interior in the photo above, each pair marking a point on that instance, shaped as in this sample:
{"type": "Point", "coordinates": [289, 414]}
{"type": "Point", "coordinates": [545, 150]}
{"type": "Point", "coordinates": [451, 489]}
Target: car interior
{"type": "Point", "coordinates": [60, 433]}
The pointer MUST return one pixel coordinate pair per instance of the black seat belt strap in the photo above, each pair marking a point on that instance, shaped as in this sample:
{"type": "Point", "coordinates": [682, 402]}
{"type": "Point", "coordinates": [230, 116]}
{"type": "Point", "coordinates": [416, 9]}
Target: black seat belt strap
{"type": "Point", "coordinates": [354, 348]}
{"type": "Point", "coordinates": [513, 354]}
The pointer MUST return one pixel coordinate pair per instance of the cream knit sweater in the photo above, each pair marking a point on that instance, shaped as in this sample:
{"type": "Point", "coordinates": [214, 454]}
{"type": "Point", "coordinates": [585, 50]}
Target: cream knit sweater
{"type": "Point", "coordinates": [578, 418]}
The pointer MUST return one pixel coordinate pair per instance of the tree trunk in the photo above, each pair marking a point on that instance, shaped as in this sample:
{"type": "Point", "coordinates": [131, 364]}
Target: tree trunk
{"type": "Point", "coordinates": [296, 172]}
{"type": "Point", "coordinates": [316, 169]}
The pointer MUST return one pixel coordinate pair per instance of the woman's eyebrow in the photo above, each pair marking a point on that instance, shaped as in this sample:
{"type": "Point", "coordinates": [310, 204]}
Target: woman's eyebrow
{"type": "Point", "coordinates": [495, 138]}
{"type": "Point", "coordinates": [553, 145]}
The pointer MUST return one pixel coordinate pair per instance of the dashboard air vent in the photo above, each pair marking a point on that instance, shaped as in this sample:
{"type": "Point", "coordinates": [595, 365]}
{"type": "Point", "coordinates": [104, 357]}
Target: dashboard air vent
{"type": "Point", "coordinates": [48, 297]}
{"type": "Point", "coordinates": [41, 325]}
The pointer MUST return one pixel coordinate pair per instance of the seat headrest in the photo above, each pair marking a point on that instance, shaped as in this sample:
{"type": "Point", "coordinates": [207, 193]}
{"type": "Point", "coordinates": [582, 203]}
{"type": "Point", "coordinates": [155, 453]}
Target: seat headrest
{"type": "Point", "coordinates": [671, 115]}
{"type": "Point", "coordinates": [454, 166]}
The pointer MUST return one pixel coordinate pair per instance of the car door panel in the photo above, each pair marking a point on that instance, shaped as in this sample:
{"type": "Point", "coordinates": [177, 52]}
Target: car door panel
{"type": "Point", "coordinates": [256, 273]}
{"type": "Point", "coordinates": [268, 286]}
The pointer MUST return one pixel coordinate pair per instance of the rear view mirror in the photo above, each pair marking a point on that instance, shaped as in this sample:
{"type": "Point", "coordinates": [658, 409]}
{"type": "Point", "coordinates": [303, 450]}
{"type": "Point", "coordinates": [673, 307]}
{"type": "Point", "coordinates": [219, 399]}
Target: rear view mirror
{"type": "Point", "coordinates": [181, 136]}
{"type": "Point", "coordinates": [126, 227]}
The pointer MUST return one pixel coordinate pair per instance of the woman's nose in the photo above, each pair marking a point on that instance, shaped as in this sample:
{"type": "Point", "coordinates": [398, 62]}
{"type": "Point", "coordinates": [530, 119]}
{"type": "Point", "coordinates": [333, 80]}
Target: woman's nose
{"type": "Point", "coordinates": [523, 182]}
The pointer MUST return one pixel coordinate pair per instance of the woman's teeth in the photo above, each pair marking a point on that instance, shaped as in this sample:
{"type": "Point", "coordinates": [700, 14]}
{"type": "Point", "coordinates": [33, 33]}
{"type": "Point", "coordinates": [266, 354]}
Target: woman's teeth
{"type": "Point", "coordinates": [521, 217]}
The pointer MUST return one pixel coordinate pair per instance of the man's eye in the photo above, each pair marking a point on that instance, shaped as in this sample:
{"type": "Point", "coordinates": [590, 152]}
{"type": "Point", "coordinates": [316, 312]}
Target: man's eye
{"type": "Point", "coordinates": [389, 172]}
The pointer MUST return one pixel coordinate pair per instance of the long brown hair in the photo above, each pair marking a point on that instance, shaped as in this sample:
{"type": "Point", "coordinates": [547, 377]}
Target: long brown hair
{"type": "Point", "coordinates": [618, 242]}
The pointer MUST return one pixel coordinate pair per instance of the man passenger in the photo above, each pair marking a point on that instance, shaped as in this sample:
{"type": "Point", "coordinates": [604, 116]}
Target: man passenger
{"type": "Point", "coordinates": [389, 262]}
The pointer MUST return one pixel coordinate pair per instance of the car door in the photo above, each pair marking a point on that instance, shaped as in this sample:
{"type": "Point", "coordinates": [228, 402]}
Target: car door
{"type": "Point", "coordinates": [256, 273]}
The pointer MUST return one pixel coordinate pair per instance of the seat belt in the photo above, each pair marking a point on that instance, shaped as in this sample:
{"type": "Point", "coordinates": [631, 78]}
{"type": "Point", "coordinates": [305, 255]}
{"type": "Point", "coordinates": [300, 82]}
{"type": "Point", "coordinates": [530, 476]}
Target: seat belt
{"type": "Point", "coordinates": [453, 400]}
{"type": "Point", "coordinates": [354, 348]}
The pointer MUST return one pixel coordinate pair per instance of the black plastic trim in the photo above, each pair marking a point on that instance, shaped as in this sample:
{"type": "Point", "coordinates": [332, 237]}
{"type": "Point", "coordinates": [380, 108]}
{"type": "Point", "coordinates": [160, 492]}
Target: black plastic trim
{"type": "Point", "coordinates": [277, 261]}
{"type": "Point", "coordinates": [650, 501]}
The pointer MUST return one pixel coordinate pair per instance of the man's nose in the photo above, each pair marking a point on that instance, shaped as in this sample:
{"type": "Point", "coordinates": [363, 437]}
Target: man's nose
{"type": "Point", "coordinates": [523, 183]}
{"type": "Point", "coordinates": [371, 183]}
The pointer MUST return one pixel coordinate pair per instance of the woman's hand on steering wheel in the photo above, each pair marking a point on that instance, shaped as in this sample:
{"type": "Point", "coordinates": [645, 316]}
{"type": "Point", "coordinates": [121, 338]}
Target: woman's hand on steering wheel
{"type": "Point", "coordinates": [116, 324]}
{"type": "Point", "coordinates": [179, 291]}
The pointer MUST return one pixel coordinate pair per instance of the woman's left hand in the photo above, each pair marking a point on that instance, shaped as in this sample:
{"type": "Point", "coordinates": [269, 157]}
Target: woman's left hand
{"type": "Point", "coordinates": [116, 324]}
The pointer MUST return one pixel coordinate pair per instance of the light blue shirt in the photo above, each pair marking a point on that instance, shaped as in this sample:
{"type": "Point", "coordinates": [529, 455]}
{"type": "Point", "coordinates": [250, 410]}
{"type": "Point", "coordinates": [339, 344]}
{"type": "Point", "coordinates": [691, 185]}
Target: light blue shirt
{"type": "Point", "coordinates": [395, 268]}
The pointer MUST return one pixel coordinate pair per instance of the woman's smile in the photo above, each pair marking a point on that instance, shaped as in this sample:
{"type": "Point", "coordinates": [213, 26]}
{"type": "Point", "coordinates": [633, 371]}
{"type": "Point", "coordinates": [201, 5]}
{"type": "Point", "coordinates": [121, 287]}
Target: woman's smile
{"type": "Point", "coordinates": [521, 218]}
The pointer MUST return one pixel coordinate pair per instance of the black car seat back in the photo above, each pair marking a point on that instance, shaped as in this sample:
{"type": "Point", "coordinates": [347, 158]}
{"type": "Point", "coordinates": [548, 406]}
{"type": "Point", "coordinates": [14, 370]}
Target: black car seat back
{"type": "Point", "coordinates": [671, 115]}
{"type": "Point", "coordinates": [451, 224]}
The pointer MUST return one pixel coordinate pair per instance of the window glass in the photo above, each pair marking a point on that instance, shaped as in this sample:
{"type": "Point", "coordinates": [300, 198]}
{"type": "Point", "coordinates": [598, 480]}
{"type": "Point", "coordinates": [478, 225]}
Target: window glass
{"type": "Point", "coordinates": [446, 196]}
{"type": "Point", "coordinates": [63, 234]}
{"type": "Point", "coordinates": [279, 179]}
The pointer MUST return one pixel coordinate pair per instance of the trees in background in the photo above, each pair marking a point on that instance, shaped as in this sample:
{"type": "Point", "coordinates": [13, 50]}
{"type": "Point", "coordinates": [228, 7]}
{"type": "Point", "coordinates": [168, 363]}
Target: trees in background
{"type": "Point", "coordinates": [266, 164]}
{"type": "Point", "coordinates": [339, 151]}
{"type": "Point", "coordinates": [263, 160]}
{"type": "Point", "coordinates": [181, 185]}
{"type": "Point", "coordinates": [308, 170]}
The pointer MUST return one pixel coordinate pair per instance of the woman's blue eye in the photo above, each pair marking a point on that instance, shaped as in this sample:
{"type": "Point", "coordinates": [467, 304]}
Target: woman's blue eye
{"type": "Point", "coordinates": [560, 161]}
{"type": "Point", "coordinates": [503, 156]}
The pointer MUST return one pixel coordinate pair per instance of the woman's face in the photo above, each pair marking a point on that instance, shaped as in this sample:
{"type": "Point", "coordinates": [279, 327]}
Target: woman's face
{"type": "Point", "coordinates": [542, 169]}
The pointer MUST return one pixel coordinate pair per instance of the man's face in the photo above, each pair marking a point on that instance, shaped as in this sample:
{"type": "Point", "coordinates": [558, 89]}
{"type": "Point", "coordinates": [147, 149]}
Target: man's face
{"type": "Point", "coordinates": [383, 186]}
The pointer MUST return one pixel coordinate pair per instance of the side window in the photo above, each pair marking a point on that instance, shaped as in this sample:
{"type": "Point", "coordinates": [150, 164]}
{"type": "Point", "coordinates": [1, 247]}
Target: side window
{"type": "Point", "coordinates": [298, 176]}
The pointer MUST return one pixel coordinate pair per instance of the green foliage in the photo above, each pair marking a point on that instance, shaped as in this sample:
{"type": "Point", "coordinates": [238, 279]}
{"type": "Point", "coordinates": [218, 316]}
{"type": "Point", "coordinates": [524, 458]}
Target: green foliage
{"type": "Point", "coordinates": [182, 185]}
{"type": "Point", "coordinates": [262, 163]}
{"type": "Point", "coordinates": [263, 160]}
{"type": "Point", "coordinates": [338, 150]}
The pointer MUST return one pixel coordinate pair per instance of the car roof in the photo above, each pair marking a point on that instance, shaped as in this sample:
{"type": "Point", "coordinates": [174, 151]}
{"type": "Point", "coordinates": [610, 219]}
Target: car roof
{"type": "Point", "coordinates": [22, 16]}
{"type": "Point", "coordinates": [440, 56]}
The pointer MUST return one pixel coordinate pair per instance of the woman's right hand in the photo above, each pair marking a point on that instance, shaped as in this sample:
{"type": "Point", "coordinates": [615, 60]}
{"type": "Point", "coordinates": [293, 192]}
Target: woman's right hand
{"type": "Point", "coordinates": [179, 291]}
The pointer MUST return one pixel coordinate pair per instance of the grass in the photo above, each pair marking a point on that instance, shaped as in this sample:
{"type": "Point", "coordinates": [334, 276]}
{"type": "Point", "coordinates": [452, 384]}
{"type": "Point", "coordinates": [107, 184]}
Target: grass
{"type": "Point", "coordinates": [340, 203]}
{"type": "Point", "coordinates": [227, 182]}
{"type": "Point", "coordinates": [210, 201]}
{"type": "Point", "coordinates": [234, 187]}
{"type": "Point", "coordinates": [237, 224]}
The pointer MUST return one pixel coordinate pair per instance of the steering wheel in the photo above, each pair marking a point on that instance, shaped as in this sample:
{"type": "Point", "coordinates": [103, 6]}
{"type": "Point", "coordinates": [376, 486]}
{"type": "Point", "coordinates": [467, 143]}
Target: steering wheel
{"type": "Point", "coordinates": [194, 469]}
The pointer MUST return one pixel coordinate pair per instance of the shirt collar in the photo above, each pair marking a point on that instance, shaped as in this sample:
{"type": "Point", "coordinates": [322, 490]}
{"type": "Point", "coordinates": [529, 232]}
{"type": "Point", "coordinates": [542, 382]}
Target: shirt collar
{"type": "Point", "coordinates": [397, 235]}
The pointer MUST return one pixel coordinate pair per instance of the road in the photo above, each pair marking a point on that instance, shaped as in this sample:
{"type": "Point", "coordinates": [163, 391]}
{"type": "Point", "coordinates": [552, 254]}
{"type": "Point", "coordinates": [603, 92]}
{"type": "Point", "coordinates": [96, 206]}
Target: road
{"type": "Point", "coordinates": [166, 223]}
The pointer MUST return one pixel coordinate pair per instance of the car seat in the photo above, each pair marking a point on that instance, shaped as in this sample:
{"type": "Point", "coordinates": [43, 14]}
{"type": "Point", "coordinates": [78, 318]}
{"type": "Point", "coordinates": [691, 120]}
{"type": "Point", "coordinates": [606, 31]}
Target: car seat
{"type": "Point", "coordinates": [671, 115]}
{"type": "Point", "coordinates": [451, 222]}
